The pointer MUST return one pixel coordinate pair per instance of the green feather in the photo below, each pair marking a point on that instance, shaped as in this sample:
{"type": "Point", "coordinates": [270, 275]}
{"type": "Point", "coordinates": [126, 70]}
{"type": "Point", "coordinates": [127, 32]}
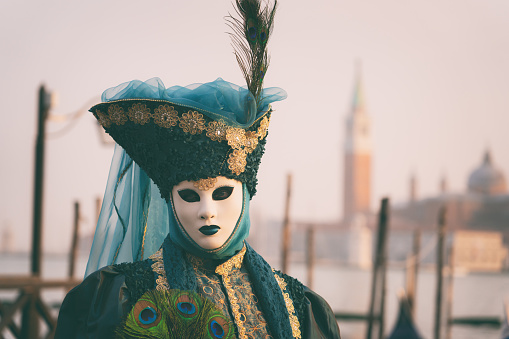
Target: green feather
{"type": "Point", "coordinates": [175, 314]}
{"type": "Point", "coordinates": [251, 32]}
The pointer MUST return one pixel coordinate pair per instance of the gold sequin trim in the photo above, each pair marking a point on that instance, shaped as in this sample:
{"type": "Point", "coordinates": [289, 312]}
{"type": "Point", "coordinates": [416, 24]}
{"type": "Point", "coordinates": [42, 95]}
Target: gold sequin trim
{"type": "Point", "coordinates": [294, 321]}
{"type": "Point", "coordinates": [205, 184]}
{"type": "Point", "coordinates": [241, 141]}
{"type": "Point", "coordinates": [223, 270]}
{"type": "Point", "coordinates": [158, 267]}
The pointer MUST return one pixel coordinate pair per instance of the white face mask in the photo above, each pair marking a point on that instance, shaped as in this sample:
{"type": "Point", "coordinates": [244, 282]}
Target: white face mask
{"type": "Point", "coordinates": [208, 216]}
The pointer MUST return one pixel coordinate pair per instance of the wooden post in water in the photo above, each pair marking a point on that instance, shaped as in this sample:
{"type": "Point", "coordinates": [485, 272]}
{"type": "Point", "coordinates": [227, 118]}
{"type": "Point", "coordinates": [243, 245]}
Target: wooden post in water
{"type": "Point", "coordinates": [377, 301]}
{"type": "Point", "coordinates": [74, 245]}
{"type": "Point", "coordinates": [412, 269]}
{"type": "Point", "coordinates": [440, 267]}
{"type": "Point", "coordinates": [450, 293]}
{"type": "Point", "coordinates": [285, 257]}
{"type": "Point", "coordinates": [310, 260]}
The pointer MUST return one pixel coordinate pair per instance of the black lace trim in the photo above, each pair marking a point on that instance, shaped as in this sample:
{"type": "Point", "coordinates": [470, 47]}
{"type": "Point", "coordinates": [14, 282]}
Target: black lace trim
{"type": "Point", "coordinates": [139, 279]}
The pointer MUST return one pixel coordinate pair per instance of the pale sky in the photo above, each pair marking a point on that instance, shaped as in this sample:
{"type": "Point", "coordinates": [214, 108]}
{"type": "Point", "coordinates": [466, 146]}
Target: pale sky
{"type": "Point", "coordinates": [435, 74]}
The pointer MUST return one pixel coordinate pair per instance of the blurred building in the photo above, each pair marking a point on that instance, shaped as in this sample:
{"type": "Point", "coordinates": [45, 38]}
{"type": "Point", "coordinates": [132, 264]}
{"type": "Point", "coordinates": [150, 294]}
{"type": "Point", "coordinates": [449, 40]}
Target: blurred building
{"type": "Point", "coordinates": [478, 218]}
{"type": "Point", "coordinates": [357, 156]}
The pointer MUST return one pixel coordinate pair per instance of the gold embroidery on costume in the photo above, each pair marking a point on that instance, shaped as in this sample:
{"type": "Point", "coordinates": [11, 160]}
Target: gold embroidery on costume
{"type": "Point", "coordinates": [251, 141]}
{"type": "Point", "coordinates": [192, 122]}
{"type": "Point", "coordinates": [237, 161]}
{"type": "Point", "coordinates": [242, 142]}
{"type": "Point", "coordinates": [264, 127]}
{"type": "Point", "coordinates": [294, 321]}
{"type": "Point", "coordinates": [216, 130]}
{"type": "Point", "coordinates": [117, 115]}
{"type": "Point", "coordinates": [139, 113]}
{"type": "Point", "coordinates": [166, 116]}
{"type": "Point", "coordinates": [158, 267]}
{"type": "Point", "coordinates": [229, 287]}
{"type": "Point", "coordinates": [205, 184]}
{"type": "Point", "coordinates": [103, 119]}
{"type": "Point", "coordinates": [223, 270]}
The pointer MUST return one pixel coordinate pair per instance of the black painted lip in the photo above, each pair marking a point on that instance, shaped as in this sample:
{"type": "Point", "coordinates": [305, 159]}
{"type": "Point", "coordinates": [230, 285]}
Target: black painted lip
{"type": "Point", "coordinates": [209, 230]}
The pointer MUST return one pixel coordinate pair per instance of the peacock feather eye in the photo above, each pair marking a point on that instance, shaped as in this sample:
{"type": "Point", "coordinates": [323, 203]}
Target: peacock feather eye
{"type": "Point", "coordinates": [251, 30]}
{"type": "Point", "coordinates": [219, 327]}
{"type": "Point", "coordinates": [263, 35]}
{"type": "Point", "coordinates": [146, 314]}
{"type": "Point", "coordinates": [187, 306]}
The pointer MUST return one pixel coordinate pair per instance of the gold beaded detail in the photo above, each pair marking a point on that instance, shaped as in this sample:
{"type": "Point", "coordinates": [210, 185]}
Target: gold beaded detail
{"type": "Point", "coordinates": [294, 321]}
{"type": "Point", "coordinates": [205, 184]}
{"type": "Point", "coordinates": [158, 267]}
{"type": "Point", "coordinates": [223, 270]}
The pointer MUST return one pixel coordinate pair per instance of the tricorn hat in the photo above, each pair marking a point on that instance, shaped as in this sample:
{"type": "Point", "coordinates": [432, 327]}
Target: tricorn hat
{"type": "Point", "coordinates": [200, 131]}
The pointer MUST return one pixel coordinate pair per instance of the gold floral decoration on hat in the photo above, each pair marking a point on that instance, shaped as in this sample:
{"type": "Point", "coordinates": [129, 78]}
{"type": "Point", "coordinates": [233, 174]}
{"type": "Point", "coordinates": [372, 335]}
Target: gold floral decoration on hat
{"type": "Point", "coordinates": [205, 184]}
{"type": "Point", "coordinates": [117, 114]}
{"type": "Point", "coordinates": [242, 142]}
{"type": "Point", "coordinates": [139, 113]}
{"type": "Point", "coordinates": [192, 122]}
{"type": "Point", "coordinates": [251, 141]}
{"type": "Point", "coordinates": [237, 161]}
{"type": "Point", "coordinates": [216, 130]}
{"type": "Point", "coordinates": [165, 116]}
{"type": "Point", "coordinates": [103, 119]}
{"type": "Point", "coordinates": [264, 127]}
{"type": "Point", "coordinates": [236, 137]}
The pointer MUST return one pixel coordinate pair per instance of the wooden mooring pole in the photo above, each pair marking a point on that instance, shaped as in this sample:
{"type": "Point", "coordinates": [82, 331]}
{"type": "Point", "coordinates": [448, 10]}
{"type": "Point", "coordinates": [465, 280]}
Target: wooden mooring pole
{"type": "Point", "coordinates": [450, 294]}
{"type": "Point", "coordinates": [412, 269]}
{"type": "Point", "coordinates": [285, 254]}
{"type": "Point", "coordinates": [310, 258]}
{"type": "Point", "coordinates": [74, 244]}
{"type": "Point", "coordinates": [440, 271]}
{"type": "Point", "coordinates": [377, 302]}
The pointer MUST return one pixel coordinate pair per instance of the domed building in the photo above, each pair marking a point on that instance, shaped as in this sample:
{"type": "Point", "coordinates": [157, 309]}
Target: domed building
{"type": "Point", "coordinates": [487, 179]}
{"type": "Point", "coordinates": [477, 218]}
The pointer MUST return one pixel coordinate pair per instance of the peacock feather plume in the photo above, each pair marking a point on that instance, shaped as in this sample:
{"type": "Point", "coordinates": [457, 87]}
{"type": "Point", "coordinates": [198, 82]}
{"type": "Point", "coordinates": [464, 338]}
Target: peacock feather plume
{"type": "Point", "coordinates": [251, 32]}
{"type": "Point", "coordinates": [175, 314]}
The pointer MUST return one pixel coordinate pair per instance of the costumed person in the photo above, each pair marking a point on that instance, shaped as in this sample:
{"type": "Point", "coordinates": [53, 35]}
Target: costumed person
{"type": "Point", "coordinates": [170, 257]}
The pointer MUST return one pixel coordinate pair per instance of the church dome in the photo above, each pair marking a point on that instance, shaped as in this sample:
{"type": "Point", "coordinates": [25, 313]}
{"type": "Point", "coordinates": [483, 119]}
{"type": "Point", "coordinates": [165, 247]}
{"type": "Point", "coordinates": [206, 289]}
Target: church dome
{"type": "Point", "coordinates": [487, 179]}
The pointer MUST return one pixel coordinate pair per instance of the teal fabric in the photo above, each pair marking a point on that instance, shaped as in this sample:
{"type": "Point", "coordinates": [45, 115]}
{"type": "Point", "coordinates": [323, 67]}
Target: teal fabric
{"type": "Point", "coordinates": [134, 218]}
{"type": "Point", "coordinates": [218, 99]}
{"type": "Point", "coordinates": [234, 244]}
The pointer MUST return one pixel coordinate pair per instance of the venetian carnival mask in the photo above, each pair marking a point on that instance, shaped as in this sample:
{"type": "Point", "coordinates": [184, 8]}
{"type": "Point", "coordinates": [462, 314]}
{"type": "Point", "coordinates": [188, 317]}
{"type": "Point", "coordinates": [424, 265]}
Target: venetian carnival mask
{"type": "Point", "coordinates": [209, 209]}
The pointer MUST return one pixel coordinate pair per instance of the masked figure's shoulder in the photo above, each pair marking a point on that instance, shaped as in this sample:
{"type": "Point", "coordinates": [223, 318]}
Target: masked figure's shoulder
{"type": "Point", "coordinates": [95, 307]}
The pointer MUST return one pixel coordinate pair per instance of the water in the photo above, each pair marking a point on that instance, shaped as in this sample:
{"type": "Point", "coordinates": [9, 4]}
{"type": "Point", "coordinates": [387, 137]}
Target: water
{"type": "Point", "coordinates": [346, 289]}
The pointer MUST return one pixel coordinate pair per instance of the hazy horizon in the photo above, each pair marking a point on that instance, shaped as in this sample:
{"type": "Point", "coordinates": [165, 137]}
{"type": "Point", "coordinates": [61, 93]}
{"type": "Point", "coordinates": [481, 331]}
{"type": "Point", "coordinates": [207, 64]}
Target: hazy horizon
{"type": "Point", "coordinates": [435, 78]}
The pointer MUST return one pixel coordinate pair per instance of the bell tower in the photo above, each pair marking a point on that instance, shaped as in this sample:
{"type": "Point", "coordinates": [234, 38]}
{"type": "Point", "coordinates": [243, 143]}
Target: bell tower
{"type": "Point", "coordinates": [357, 153]}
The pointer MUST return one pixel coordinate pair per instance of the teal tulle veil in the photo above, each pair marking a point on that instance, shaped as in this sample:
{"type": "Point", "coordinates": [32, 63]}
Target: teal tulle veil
{"type": "Point", "coordinates": [134, 218]}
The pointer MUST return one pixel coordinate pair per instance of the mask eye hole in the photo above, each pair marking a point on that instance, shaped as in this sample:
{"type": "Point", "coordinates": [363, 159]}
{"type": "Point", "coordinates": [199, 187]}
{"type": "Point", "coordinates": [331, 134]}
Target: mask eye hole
{"type": "Point", "coordinates": [222, 193]}
{"type": "Point", "coordinates": [189, 195]}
